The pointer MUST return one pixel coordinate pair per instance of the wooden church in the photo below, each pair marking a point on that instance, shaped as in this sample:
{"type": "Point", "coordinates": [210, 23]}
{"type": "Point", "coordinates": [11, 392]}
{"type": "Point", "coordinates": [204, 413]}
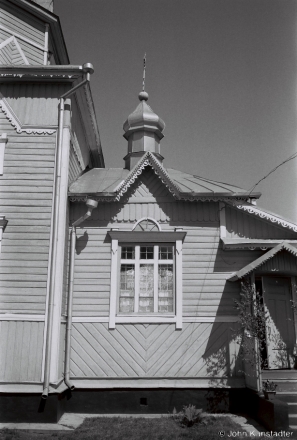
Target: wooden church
{"type": "Point", "coordinates": [118, 284]}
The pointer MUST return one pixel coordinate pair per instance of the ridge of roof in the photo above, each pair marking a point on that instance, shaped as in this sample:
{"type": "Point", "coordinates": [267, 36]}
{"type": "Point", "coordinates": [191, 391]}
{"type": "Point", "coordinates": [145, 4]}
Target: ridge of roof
{"type": "Point", "coordinates": [261, 260]}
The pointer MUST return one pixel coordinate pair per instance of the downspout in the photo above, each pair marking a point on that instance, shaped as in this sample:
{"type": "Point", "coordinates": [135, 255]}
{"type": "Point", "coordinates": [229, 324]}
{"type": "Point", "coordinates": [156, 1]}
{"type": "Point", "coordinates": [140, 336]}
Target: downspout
{"type": "Point", "coordinates": [88, 70]}
{"type": "Point", "coordinates": [91, 204]}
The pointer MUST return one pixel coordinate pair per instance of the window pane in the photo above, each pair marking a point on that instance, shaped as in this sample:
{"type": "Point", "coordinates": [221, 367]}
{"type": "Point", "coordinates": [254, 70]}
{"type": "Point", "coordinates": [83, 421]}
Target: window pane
{"type": "Point", "coordinates": [128, 253]}
{"type": "Point", "coordinates": [165, 288]}
{"type": "Point", "coordinates": [127, 283]}
{"type": "Point", "coordinates": [146, 252]}
{"type": "Point", "coordinates": [146, 288]}
{"type": "Point", "coordinates": [165, 253]}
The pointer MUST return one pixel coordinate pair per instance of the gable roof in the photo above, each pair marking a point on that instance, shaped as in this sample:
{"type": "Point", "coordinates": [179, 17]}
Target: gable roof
{"type": "Point", "coordinates": [261, 260]}
{"type": "Point", "coordinates": [113, 183]}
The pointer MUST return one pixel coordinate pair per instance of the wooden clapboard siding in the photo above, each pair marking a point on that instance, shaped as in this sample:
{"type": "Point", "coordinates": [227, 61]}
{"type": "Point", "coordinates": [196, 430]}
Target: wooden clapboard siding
{"type": "Point", "coordinates": [21, 24]}
{"type": "Point", "coordinates": [79, 132]}
{"type": "Point", "coordinates": [26, 198]}
{"type": "Point", "coordinates": [243, 225]}
{"type": "Point", "coordinates": [21, 351]}
{"type": "Point", "coordinates": [205, 266]}
{"type": "Point", "coordinates": [150, 350]}
{"type": "Point", "coordinates": [93, 278]}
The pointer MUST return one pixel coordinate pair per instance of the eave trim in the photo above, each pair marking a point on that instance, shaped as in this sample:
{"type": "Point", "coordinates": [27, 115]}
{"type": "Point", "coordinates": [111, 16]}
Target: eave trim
{"type": "Point", "coordinates": [150, 236]}
{"type": "Point", "coordinates": [261, 260]}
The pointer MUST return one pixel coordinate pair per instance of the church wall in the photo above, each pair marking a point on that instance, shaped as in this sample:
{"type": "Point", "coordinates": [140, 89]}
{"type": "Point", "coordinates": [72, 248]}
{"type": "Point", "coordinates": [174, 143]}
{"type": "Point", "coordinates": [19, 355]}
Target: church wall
{"type": "Point", "coordinates": [26, 201]}
{"type": "Point", "coordinates": [21, 23]}
{"type": "Point", "coordinates": [239, 224]}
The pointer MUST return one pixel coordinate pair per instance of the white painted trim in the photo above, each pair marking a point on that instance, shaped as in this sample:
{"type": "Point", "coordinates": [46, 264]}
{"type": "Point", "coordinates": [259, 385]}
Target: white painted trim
{"type": "Point", "coordinates": [21, 37]}
{"type": "Point", "coordinates": [20, 317]}
{"type": "Point", "coordinates": [34, 387]}
{"type": "Point", "coordinates": [59, 260]}
{"type": "Point", "coordinates": [20, 51]}
{"type": "Point", "coordinates": [179, 284]}
{"type": "Point", "coordinates": [294, 298]}
{"type": "Point", "coordinates": [6, 42]}
{"type": "Point", "coordinates": [191, 382]}
{"type": "Point", "coordinates": [145, 319]}
{"type": "Point", "coordinates": [147, 218]}
{"type": "Point", "coordinates": [3, 142]}
{"type": "Point", "coordinates": [113, 283]}
{"type": "Point", "coordinates": [152, 319]}
{"type": "Point", "coordinates": [222, 208]}
{"type": "Point", "coordinates": [45, 54]}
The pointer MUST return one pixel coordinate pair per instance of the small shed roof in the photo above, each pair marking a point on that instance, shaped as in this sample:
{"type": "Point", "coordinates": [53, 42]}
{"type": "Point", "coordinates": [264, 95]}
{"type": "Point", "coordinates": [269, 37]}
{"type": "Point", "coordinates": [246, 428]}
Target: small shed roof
{"type": "Point", "coordinates": [261, 260]}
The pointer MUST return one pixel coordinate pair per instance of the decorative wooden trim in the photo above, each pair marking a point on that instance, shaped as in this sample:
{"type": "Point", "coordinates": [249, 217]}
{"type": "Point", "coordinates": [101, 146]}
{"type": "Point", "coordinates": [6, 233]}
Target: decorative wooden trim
{"type": "Point", "coordinates": [273, 218]}
{"type": "Point", "coordinates": [16, 123]}
{"type": "Point", "coordinates": [222, 210]}
{"type": "Point", "coordinates": [3, 142]}
{"type": "Point", "coordinates": [147, 218]}
{"type": "Point", "coordinates": [261, 260]}
{"type": "Point", "coordinates": [151, 320]}
{"type": "Point", "coordinates": [191, 382]}
{"type": "Point", "coordinates": [21, 37]}
{"type": "Point", "coordinates": [150, 236]}
{"type": "Point", "coordinates": [20, 317]}
{"type": "Point", "coordinates": [113, 282]}
{"type": "Point", "coordinates": [252, 244]}
{"type": "Point", "coordinates": [179, 282]}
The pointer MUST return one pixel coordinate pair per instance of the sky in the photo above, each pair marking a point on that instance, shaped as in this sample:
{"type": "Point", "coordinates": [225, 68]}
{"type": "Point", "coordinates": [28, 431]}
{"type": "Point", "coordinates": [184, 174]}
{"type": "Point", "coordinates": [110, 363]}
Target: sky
{"type": "Point", "coordinates": [222, 74]}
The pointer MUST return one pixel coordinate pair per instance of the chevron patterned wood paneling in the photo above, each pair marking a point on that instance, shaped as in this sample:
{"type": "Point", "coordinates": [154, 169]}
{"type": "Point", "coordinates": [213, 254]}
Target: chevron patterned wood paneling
{"type": "Point", "coordinates": [150, 350]}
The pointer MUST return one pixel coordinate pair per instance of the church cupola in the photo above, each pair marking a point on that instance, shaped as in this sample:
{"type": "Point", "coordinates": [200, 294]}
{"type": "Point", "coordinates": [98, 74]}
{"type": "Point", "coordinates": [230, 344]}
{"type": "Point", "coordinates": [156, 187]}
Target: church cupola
{"type": "Point", "coordinates": [143, 131]}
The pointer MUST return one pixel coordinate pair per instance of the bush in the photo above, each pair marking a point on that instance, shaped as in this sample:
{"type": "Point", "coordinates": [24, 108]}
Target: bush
{"type": "Point", "coordinates": [188, 416]}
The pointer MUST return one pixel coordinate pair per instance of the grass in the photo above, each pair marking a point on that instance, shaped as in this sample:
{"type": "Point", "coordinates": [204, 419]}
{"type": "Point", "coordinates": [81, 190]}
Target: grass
{"type": "Point", "coordinates": [117, 428]}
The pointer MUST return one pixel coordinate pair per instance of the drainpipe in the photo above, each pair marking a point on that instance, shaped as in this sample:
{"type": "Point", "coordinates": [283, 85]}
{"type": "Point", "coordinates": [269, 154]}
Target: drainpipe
{"type": "Point", "coordinates": [91, 204]}
{"type": "Point", "coordinates": [88, 70]}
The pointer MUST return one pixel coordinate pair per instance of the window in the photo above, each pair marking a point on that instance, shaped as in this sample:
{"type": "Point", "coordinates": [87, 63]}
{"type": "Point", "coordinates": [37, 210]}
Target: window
{"type": "Point", "coordinates": [146, 279]}
{"type": "Point", "coordinates": [146, 276]}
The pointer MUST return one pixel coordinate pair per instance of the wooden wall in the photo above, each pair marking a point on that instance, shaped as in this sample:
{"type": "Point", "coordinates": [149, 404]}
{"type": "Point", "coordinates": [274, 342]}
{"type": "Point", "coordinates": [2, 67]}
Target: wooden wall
{"type": "Point", "coordinates": [240, 224]}
{"type": "Point", "coordinates": [26, 200]}
{"type": "Point", "coordinates": [21, 351]}
{"type": "Point", "coordinates": [18, 22]}
{"type": "Point", "coordinates": [152, 351]}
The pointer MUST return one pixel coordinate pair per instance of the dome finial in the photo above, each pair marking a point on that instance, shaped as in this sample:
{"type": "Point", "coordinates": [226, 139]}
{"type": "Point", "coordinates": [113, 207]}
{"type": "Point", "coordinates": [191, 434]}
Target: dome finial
{"type": "Point", "coordinates": [143, 96]}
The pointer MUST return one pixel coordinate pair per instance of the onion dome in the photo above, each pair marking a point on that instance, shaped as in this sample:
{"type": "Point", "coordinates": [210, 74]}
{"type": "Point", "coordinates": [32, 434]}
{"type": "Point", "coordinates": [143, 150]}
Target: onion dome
{"type": "Point", "coordinates": [143, 131]}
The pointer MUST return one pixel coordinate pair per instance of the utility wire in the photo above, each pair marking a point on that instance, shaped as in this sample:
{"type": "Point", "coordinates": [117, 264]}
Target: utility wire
{"type": "Point", "coordinates": [272, 171]}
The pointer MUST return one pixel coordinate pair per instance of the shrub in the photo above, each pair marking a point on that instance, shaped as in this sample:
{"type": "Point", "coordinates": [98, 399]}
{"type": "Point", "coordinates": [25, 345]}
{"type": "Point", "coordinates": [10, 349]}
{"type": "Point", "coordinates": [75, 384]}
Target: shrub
{"type": "Point", "coordinates": [188, 416]}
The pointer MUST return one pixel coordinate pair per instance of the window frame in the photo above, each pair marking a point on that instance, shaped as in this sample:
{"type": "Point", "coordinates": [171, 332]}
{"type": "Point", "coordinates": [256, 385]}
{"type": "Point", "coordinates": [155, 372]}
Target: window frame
{"type": "Point", "coordinates": [120, 238]}
{"type": "Point", "coordinates": [156, 262]}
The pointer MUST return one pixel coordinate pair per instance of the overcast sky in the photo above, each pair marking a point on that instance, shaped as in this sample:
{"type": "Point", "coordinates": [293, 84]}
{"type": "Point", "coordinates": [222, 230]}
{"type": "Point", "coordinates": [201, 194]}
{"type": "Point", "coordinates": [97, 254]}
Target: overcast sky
{"type": "Point", "coordinates": [220, 73]}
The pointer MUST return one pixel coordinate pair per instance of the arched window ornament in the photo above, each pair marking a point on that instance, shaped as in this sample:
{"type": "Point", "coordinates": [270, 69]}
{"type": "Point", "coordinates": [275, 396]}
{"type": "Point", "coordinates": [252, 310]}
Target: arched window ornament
{"type": "Point", "coordinates": [146, 224]}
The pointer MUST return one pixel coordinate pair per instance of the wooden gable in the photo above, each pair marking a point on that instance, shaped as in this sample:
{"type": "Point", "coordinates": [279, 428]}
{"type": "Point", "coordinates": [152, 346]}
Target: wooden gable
{"type": "Point", "coordinates": [240, 224]}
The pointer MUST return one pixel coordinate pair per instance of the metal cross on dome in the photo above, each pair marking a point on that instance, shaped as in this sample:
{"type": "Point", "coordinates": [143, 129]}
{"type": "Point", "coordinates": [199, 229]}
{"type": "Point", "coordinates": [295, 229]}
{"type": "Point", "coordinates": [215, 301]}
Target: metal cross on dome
{"type": "Point", "coordinates": [144, 67]}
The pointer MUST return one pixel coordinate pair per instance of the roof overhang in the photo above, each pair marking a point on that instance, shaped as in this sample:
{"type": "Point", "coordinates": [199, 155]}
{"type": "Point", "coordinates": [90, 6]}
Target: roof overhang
{"type": "Point", "coordinates": [252, 244]}
{"type": "Point", "coordinates": [261, 260]}
{"type": "Point", "coordinates": [72, 75]}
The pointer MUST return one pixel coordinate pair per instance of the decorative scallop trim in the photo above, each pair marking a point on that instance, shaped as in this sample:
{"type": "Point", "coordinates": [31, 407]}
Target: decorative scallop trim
{"type": "Point", "coordinates": [261, 260]}
{"type": "Point", "coordinates": [15, 122]}
{"type": "Point", "coordinates": [265, 215]}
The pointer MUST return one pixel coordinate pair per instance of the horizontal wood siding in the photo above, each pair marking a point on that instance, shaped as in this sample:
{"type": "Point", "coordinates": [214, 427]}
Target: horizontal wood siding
{"type": "Point", "coordinates": [26, 199]}
{"type": "Point", "coordinates": [242, 225]}
{"type": "Point", "coordinates": [19, 22]}
{"type": "Point", "coordinates": [155, 350]}
{"type": "Point", "coordinates": [21, 351]}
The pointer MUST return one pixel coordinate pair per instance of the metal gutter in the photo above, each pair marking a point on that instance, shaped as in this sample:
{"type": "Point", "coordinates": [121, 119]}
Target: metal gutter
{"type": "Point", "coordinates": [88, 69]}
{"type": "Point", "coordinates": [91, 204]}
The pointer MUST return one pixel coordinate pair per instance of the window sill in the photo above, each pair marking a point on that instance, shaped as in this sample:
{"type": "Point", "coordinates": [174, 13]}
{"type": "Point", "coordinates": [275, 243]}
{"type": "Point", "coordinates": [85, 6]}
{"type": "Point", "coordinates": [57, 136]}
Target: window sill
{"type": "Point", "coordinates": [145, 319]}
